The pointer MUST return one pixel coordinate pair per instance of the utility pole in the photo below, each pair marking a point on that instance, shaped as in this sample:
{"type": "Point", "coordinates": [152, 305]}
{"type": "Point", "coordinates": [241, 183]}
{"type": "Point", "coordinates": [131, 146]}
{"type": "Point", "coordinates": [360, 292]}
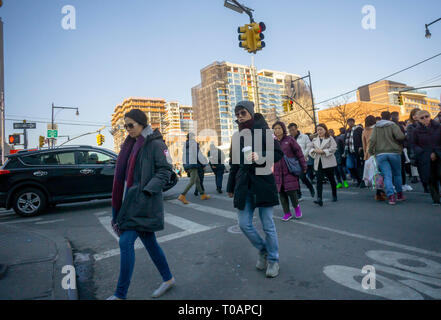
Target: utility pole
{"type": "Point", "coordinates": [2, 94]}
{"type": "Point", "coordinates": [312, 99]}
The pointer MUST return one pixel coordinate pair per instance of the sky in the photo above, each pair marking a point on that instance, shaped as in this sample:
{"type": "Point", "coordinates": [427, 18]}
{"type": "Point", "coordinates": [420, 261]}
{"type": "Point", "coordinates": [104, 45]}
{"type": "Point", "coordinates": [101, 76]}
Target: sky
{"type": "Point", "coordinates": [146, 48]}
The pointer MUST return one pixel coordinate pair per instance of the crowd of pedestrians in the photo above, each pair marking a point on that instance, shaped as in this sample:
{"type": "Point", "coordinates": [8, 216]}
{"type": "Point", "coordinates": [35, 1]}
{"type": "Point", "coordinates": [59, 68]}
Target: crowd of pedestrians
{"type": "Point", "coordinates": [144, 168]}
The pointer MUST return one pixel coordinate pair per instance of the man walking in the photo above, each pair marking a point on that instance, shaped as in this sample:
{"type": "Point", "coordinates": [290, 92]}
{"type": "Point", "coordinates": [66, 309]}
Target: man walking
{"type": "Point", "coordinates": [386, 144]}
{"type": "Point", "coordinates": [217, 159]}
{"type": "Point", "coordinates": [191, 161]}
{"type": "Point", "coordinates": [303, 141]}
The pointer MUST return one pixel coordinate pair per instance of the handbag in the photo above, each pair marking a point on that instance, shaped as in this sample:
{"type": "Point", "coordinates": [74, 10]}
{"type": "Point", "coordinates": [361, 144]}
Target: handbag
{"type": "Point", "coordinates": [293, 165]}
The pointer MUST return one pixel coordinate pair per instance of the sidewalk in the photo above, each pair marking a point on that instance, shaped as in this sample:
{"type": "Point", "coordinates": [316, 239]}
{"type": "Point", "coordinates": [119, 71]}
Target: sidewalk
{"type": "Point", "coordinates": [34, 266]}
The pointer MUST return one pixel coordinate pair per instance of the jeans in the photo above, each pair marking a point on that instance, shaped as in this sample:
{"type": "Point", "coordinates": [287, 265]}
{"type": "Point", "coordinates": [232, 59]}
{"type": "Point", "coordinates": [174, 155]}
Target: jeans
{"type": "Point", "coordinates": [354, 165]}
{"type": "Point", "coordinates": [201, 174]}
{"type": "Point", "coordinates": [245, 217]}
{"type": "Point", "coordinates": [219, 178]}
{"type": "Point", "coordinates": [390, 167]}
{"type": "Point", "coordinates": [127, 248]}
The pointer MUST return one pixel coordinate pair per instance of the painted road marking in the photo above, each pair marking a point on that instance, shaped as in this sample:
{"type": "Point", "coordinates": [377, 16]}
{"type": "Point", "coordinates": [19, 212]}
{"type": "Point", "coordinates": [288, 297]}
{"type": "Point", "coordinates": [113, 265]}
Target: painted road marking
{"type": "Point", "coordinates": [7, 215]}
{"type": "Point", "coordinates": [102, 213]}
{"type": "Point", "coordinates": [49, 221]}
{"type": "Point", "coordinates": [21, 221]}
{"type": "Point", "coordinates": [233, 215]}
{"type": "Point", "coordinates": [215, 196]}
{"type": "Point", "coordinates": [188, 226]}
{"type": "Point", "coordinates": [206, 209]}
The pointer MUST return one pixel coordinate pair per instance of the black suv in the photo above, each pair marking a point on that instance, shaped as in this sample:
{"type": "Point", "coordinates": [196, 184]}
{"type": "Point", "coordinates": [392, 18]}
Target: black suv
{"type": "Point", "coordinates": [32, 180]}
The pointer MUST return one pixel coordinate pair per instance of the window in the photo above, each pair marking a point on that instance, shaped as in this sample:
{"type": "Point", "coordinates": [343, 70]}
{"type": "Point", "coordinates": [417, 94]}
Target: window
{"type": "Point", "coordinates": [53, 158]}
{"type": "Point", "coordinates": [93, 157]}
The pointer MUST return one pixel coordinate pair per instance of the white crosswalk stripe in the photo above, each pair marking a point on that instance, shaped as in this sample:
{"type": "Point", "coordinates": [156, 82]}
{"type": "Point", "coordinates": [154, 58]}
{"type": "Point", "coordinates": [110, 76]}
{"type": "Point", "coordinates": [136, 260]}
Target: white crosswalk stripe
{"type": "Point", "coordinates": [188, 226]}
{"type": "Point", "coordinates": [211, 210]}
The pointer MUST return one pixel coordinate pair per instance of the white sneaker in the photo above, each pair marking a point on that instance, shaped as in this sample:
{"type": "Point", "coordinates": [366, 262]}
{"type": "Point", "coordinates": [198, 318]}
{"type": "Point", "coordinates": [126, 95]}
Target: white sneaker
{"type": "Point", "coordinates": [406, 187]}
{"type": "Point", "coordinates": [113, 297]}
{"type": "Point", "coordinates": [272, 270]}
{"type": "Point", "coordinates": [163, 288]}
{"type": "Point", "coordinates": [261, 261]}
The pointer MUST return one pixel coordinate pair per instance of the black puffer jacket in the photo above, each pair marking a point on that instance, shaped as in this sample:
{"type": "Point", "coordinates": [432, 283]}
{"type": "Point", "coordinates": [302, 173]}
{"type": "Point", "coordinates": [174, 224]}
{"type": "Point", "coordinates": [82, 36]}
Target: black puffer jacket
{"type": "Point", "coordinates": [425, 141]}
{"type": "Point", "coordinates": [243, 176]}
{"type": "Point", "coordinates": [142, 208]}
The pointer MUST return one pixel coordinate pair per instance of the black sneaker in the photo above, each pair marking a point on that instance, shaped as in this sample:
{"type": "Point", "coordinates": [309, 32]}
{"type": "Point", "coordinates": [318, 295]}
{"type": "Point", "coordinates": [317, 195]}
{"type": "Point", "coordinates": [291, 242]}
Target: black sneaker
{"type": "Point", "coordinates": [219, 190]}
{"type": "Point", "coordinates": [334, 199]}
{"type": "Point", "coordinates": [312, 193]}
{"type": "Point", "coordinates": [436, 204]}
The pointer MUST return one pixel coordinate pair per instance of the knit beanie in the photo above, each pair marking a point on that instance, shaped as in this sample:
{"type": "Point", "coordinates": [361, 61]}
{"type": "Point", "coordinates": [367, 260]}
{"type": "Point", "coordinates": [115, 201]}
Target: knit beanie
{"type": "Point", "coordinates": [248, 105]}
{"type": "Point", "coordinates": [138, 116]}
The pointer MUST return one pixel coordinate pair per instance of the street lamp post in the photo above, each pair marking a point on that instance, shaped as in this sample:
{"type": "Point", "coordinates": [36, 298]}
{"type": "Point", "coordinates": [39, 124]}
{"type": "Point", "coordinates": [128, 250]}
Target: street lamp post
{"type": "Point", "coordinates": [428, 34]}
{"type": "Point", "coordinates": [52, 122]}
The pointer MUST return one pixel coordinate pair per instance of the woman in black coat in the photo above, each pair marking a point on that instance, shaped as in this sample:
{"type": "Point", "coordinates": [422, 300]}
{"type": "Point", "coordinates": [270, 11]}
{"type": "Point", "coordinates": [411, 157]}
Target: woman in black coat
{"type": "Point", "coordinates": [426, 144]}
{"type": "Point", "coordinates": [252, 182]}
{"type": "Point", "coordinates": [142, 170]}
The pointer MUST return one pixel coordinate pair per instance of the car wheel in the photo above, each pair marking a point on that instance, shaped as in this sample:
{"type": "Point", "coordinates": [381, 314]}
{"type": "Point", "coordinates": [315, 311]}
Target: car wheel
{"type": "Point", "coordinates": [29, 202]}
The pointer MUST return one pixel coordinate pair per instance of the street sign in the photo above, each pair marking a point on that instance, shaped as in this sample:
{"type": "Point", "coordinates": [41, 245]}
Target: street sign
{"type": "Point", "coordinates": [27, 125]}
{"type": "Point", "coordinates": [52, 133]}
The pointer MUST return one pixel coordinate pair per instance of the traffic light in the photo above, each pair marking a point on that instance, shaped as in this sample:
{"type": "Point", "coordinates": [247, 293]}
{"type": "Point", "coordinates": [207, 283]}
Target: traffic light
{"type": "Point", "coordinates": [14, 139]}
{"type": "Point", "coordinates": [100, 139]}
{"type": "Point", "coordinates": [245, 37]}
{"type": "Point", "coordinates": [41, 141]}
{"type": "Point", "coordinates": [258, 36]}
{"type": "Point", "coordinates": [400, 100]}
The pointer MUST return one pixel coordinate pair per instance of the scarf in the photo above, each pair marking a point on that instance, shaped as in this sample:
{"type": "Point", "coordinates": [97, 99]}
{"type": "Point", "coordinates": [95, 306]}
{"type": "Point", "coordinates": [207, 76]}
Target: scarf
{"type": "Point", "coordinates": [246, 125]}
{"type": "Point", "coordinates": [125, 166]}
{"type": "Point", "coordinates": [349, 142]}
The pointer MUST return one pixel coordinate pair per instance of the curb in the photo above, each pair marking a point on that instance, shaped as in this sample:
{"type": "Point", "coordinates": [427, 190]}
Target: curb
{"type": "Point", "coordinates": [64, 267]}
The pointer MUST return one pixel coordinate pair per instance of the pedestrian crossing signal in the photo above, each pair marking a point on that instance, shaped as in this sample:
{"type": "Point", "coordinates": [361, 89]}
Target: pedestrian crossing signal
{"type": "Point", "coordinates": [14, 139]}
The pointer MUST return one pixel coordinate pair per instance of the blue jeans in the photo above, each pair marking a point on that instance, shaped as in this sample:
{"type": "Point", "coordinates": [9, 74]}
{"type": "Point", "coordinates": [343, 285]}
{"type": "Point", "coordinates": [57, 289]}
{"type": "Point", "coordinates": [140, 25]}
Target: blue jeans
{"type": "Point", "coordinates": [127, 248]}
{"type": "Point", "coordinates": [271, 244]}
{"type": "Point", "coordinates": [390, 167]}
{"type": "Point", "coordinates": [219, 178]}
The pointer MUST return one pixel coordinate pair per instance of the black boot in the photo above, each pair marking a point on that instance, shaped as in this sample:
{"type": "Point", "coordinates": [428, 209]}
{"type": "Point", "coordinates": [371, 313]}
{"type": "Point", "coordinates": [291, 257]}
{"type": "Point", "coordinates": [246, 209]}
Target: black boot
{"type": "Point", "coordinates": [319, 202]}
{"type": "Point", "coordinates": [334, 198]}
{"type": "Point", "coordinates": [312, 193]}
{"type": "Point", "coordinates": [219, 190]}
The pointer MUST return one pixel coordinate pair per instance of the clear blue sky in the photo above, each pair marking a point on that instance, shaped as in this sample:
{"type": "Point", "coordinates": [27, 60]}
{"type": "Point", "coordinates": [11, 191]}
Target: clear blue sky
{"type": "Point", "coordinates": [157, 48]}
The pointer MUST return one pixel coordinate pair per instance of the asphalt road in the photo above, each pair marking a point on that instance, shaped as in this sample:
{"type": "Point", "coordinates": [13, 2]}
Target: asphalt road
{"type": "Point", "coordinates": [321, 256]}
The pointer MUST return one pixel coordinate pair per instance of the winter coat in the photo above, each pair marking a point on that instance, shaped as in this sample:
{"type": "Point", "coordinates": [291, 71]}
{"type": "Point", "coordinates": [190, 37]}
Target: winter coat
{"type": "Point", "coordinates": [329, 146]}
{"type": "Point", "coordinates": [410, 130]}
{"type": "Point", "coordinates": [425, 141]}
{"type": "Point", "coordinates": [142, 208]}
{"type": "Point", "coordinates": [386, 138]}
{"type": "Point", "coordinates": [191, 157]}
{"type": "Point", "coordinates": [282, 175]}
{"type": "Point", "coordinates": [366, 136]}
{"type": "Point", "coordinates": [357, 136]}
{"type": "Point", "coordinates": [340, 140]}
{"type": "Point", "coordinates": [217, 159]}
{"type": "Point", "coordinates": [303, 141]}
{"type": "Point", "coordinates": [243, 179]}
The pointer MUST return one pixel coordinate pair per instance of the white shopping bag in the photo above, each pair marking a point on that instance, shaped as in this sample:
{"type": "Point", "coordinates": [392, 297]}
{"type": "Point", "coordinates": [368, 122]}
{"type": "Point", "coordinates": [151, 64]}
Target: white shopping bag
{"type": "Point", "coordinates": [370, 169]}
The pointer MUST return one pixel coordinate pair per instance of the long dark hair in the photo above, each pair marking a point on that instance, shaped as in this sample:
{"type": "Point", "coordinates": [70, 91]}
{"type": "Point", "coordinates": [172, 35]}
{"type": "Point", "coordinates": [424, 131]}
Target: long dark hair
{"type": "Point", "coordinates": [412, 113]}
{"type": "Point", "coordinates": [324, 127]}
{"type": "Point", "coordinates": [282, 125]}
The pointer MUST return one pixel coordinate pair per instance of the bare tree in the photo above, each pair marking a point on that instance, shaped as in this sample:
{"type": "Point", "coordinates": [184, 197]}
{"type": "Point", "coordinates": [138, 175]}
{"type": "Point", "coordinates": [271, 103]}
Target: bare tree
{"type": "Point", "coordinates": [340, 111]}
{"type": "Point", "coordinates": [301, 114]}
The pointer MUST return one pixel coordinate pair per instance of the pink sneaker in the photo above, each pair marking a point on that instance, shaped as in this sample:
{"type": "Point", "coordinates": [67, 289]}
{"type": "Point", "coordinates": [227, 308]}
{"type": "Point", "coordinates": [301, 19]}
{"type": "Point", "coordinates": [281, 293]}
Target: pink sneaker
{"type": "Point", "coordinates": [298, 212]}
{"type": "Point", "coordinates": [392, 199]}
{"type": "Point", "coordinates": [287, 216]}
{"type": "Point", "coordinates": [400, 196]}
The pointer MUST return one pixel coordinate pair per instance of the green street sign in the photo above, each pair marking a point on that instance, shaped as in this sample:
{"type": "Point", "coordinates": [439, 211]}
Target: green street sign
{"type": "Point", "coordinates": [52, 133]}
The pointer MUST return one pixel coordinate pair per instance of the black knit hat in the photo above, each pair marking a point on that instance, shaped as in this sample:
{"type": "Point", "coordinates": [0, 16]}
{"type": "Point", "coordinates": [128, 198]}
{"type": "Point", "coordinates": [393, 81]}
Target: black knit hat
{"type": "Point", "coordinates": [247, 105]}
{"type": "Point", "coordinates": [138, 116]}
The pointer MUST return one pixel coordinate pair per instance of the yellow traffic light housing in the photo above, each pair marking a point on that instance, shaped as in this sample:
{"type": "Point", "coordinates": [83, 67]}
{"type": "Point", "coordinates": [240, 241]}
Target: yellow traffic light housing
{"type": "Point", "coordinates": [100, 139]}
{"type": "Point", "coordinates": [244, 37]}
{"type": "Point", "coordinates": [41, 141]}
{"type": "Point", "coordinates": [400, 99]}
{"type": "Point", "coordinates": [251, 36]}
